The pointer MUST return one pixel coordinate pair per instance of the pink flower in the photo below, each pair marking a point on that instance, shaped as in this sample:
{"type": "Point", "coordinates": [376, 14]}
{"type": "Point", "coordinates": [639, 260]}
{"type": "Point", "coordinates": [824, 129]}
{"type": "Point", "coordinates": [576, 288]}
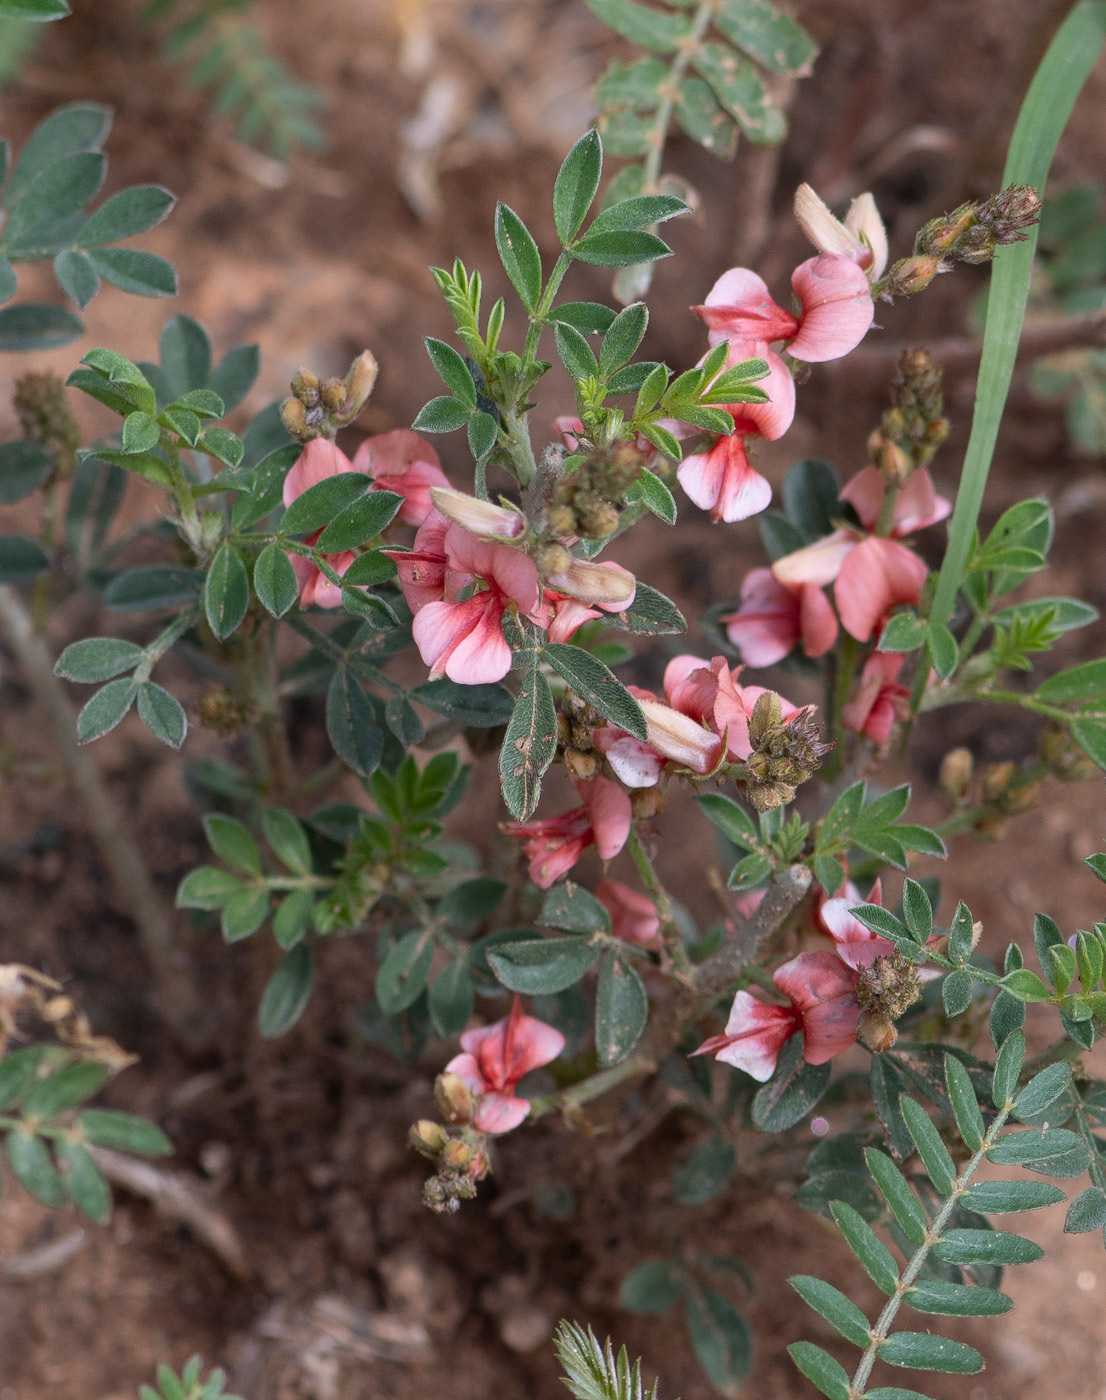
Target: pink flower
{"type": "Point", "coordinates": [555, 844]}
{"type": "Point", "coordinates": [605, 584]}
{"type": "Point", "coordinates": [708, 691]}
{"type": "Point", "coordinates": [822, 993]}
{"type": "Point", "coordinates": [773, 620]}
{"type": "Point", "coordinates": [319, 460]}
{"type": "Point", "coordinates": [496, 1058]}
{"type": "Point", "coordinates": [835, 300]}
{"type": "Point", "coordinates": [879, 702]}
{"type": "Point", "coordinates": [633, 915]}
{"type": "Point", "coordinates": [462, 638]}
{"type": "Point", "coordinates": [635, 762]}
{"type": "Point", "coordinates": [870, 574]}
{"type": "Point", "coordinates": [860, 237]}
{"type": "Point", "coordinates": [856, 945]}
{"type": "Point", "coordinates": [403, 462]}
{"type": "Point", "coordinates": [722, 480]}
{"type": "Point", "coordinates": [679, 738]}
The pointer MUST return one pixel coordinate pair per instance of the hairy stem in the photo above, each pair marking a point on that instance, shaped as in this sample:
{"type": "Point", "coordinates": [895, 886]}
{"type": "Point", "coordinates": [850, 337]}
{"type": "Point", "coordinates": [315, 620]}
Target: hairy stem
{"type": "Point", "coordinates": [175, 989]}
{"type": "Point", "coordinates": [784, 894]}
{"type": "Point", "coordinates": [670, 929]}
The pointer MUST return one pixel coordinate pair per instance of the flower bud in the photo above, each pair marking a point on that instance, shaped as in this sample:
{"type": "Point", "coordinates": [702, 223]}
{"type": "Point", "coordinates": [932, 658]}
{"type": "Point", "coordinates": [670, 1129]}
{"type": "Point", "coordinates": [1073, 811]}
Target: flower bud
{"type": "Point", "coordinates": [876, 1032]}
{"type": "Point", "coordinates": [608, 585]}
{"type": "Point", "coordinates": [305, 386]}
{"type": "Point", "coordinates": [359, 384]}
{"type": "Point", "coordinates": [332, 393]}
{"type": "Point", "coordinates": [478, 517]}
{"type": "Point", "coordinates": [294, 417]}
{"type": "Point", "coordinates": [996, 780]}
{"type": "Point", "coordinates": [912, 275]}
{"type": "Point", "coordinates": [679, 738]}
{"type": "Point", "coordinates": [581, 765]}
{"type": "Point", "coordinates": [454, 1098]}
{"type": "Point", "coordinates": [956, 773]}
{"type": "Point", "coordinates": [646, 803]}
{"type": "Point", "coordinates": [893, 462]}
{"type": "Point", "coordinates": [427, 1137]}
{"type": "Point", "coordinates": [457, 1155]}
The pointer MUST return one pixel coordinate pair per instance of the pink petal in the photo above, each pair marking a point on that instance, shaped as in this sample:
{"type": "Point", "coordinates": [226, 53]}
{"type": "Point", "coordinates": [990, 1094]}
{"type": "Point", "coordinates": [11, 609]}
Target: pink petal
{"type": "Point", "coordinates": [919, 505]}
{"type": "Point", "coordinates": [690, 686]}
{"type": "Point", "coordinates": [724, 482]}
{"type": "Point", "coordinates": [865, 492]}
{"type": "Point", "coordinates": [610, 812]}
{"type": "Point", "coordinates": [823, 991]}
{"type": "Point", "coordinates": [466, 1067]}
{"type": "Point", "coordinates": [772, 419]}
{"type": "Point", "coordinates": [568, 616]}
{"type": "Point", "coordinates": [633, 915]}
{"type": "Point", "coordinates": [817, 563]}
{"type": "Point", "coordinates": [837, 308]}
{"type": "Point", "coordinates": [680, 738]}
{"type": "Point", "coordinates": [634, 763]}
{"type": "Point", "coordinates": [463, 640]}
{"type": "Point", "coordinates": [499, 1113]}
{"type": "Point", "coordinates": [739, 307]}
{"type": "Point", "coordinates": [570, 430]}
{"type": "Point", "coordinates": [530, 1044]}
{"type": "Point", "coordinates": [319, 459]}
{"type": "Point", "coordinates": [766, 627]}
{"type": "Point", "coordinates": [876, 575]}
{"type": "Point", "coordinates": [404, 462]}
{"type": "Point", "coordinates": [512, 572]}
{"type": "Point", "coordinates": [755, 1034]}
{"type": "Point", "coordinates": [549, 862]}
{"type": "Point", "coordinates": [818, 621]}
{"type": "Point", "coordinates": [421, 576]}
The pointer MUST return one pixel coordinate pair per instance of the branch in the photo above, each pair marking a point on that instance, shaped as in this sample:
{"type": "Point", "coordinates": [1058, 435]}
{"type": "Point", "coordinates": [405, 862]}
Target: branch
{"type": "Point", "coordinates": [176, 992]}
{"type": "Point", "coordinates": [784, 895]}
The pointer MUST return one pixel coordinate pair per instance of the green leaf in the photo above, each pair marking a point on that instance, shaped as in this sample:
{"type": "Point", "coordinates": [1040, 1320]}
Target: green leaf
{"type": "Point", "coordinates": [821, 1369]}
{"type": "Point", "coordinates": [598, 685]}
{"type": "Point", "coordinates": [653, 1287]}
{"type": "Point", "coordinates": [1085, 682]}
{"type": "Point", "coordinates": [185, 353]}
{"type": "Point", "coordinates": [287, 992]}
{"type": "Point", "coordinates": [24, 466]}
{"type": "Point", "coordinates": [1026, 985]}
{"type": "Point", "coordinates": [226, 592]}
{"type": "Point", "coordinates": [943, 1299]}
{"type": "Point", "coordinates": [162, 714]}
{"type": "Point", "coordinates": [1066, 614]}
{"type": "Point", "coordinates": [894, 1392]}
{"type": "Point", "coordinates": [244, 913]}
{"type": "Point", "coordinates": [182, 422]}
{"type": "Point", "coordinates": [140, 433]}
{"type": "Point", "coordinates": [157, 587]}
{"type": "Point", "coordinates": [105, 710]}
{"type": "Point", "coordinates": [766, 34]}
{"type": "Point", "coordinates": [576, 185]}
{"type": "Point", "coordinates": [63, 1090]}
{"type": "Point", "coordinates": [287, 839]}
{"type": "Point", "coordinates": [234, 376]}
{"type": "Point", "coordinates": [572, 909]}
{"type": "Point", "coordinates": [623, 338]}
{"type": "Point", "coordinates": [442, 415]}
{"type": "Point", "coordinates": [587, 317]}
{"type": "Point", "coordinates": [575, 352]}
{"type": "Point", "coordinates": [401, 977]}
{"type": "Point", "coordinates": [18, 1072]}
{"type": "Point", "coordinates": [320, 503]}
{"type": "Point", "coordinates": [650, 614]}
{"type": "Point", "coordinates": [965, 1106]}
{"type": "Point", "coordinates": [361, 521]}
{"type": "Point", "coordinates": [37, 224]}
{"type": "Point", "coordinates": [960, 934]}
{"type": "Point", "coordinates": [905, 631]}
{"type": "Point", "coordinates": [33, 1169]}
{"type": "Point", "coordinates": [904, 1205]}
{"type": "Point", "coordinates": [658, 499]}
{"type": "Point", "coordinates": [232, 843]}
{"type": "Point", "coordinates": [720, 1336]}
{"type": "Point", "coordinates": [1042, 1090]}
{"type": "Point", "coordinates": [471, 902]}
{"type": "Point", "coordinates": [704, 119]}
{"type": "Point", "coordinates": [1037, 1149]}
{"type": "Point", "coordinates": [222, 445]}
{"type": "Point", "coordinates": [829, 1302]}
{"type": "Point", "coordinates": [369, 569]}
{"type": "Point", "coordinates": [917, 910]}
{"type": "Point", "coordinates": [933, 1152]}
{"type": "Point", "coordinates": [956, 992]}
{"type": "Point", "coordinates": [83, 1180]}
{"type": "Point", "coordinates": [1086, 1212]}
{"type": "Point", "coordinates": [1006, 1197]}
{"type": "Point", "coordinates": [738, 87]}
{"type": "Point", "coordinates": [475, 706]}
{"type": "Point", "coordinates": [620, 248]}
{"type": "Point", "coordinates": [922, 1351]}
{"type": "Point", "coordinates": [1007, 1069]}
{"type": "Point", "coordinates": [351, 724]}
{"type": "Point", "coordinates": [207, 887]}
{"type": "Point", "coordinates": [792, 1092]}
{"type": "Point", "coordinates": [77, 277]}
{"type": "Point", "coordinates": [542, 966]}
{"type": "Point", "coordinates": [293, 918]}
{"type": "Point", "coordinates": [1089, 734]}
{"type": "Point", "coordinates": [519, 255]}
{"type": "Point", "coordinates": [107, 1127]}
{"type": "Point", "coordinates": [274, 580]}
{"type": "Point", "coordinates": [453, 370]}
{"type": "Point", "coordinates": [621, 1009]}
{"type": "Point", "coordinates": [943, 649]}
{"type": "Point", "coordinates": [877, 1259]}
{"type": "Point", "coordinates": [38, 10]}
{"type": "Point", "coordinates": [986, 1247]}
{"type": "Point", "coordinates": [451, 999]}
{"type": "Point", "coordinates": [78, 126]}
{"type": "Point", "coordinates": [529, 746]}
{"type": "Point", "coordinates": [125, 214]}
{"type": "Point", "coordinates": [37, 326]}
{"type": "Point", "coordinates": [97, 659]}
{"type": "Point", "coordinates": [136, 271]}
{"type": "Point", "coordinates": [650, 29]}
{"type": "Point", "coordinates": [731, 820]}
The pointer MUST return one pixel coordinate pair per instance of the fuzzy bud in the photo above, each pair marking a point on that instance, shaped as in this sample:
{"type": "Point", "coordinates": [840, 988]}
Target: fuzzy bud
{"type": "Point", "coordinates": [359, 384]}
{"type": "Point", "coordinates": [478, 517]}
{"type": "Point", "coordinates": [457, 1155]}
{"type": "Point", "coordinates": [785, 753]}
{"type": "Point", "coordinates": [553, 559]}
{"type": "Point", "coordinates": [996, 780]}
{"type": "Point", "coordinates": [333, 394]}
{"type": "Point", "coordinates": [956, 773]}
{"type": "Point", "coordinates": [893, 462]}
{"type": "Point", "coordinates": [888, 986]}
{"type": "Point", "coordinates": [428, 1138]}
{"type": "Point", "coordinates": [608, 585]}
{"type": "Point", "coordinates": [581, 765]}
{"type": "Point", "coordinates": [646, 803]}
{"type": "Point", "coordinates": [912, 275]}
{"type": "Point", "coordinates": [454, 1098]}
{"type": "Point", "coordinates": [305, 387]}
{"type": "Point", "coordinates": [44, 417]}
{"type": "Point", "coordinates": [876, 1032]}
{"type": "Point", "coordinates": [294, 417]}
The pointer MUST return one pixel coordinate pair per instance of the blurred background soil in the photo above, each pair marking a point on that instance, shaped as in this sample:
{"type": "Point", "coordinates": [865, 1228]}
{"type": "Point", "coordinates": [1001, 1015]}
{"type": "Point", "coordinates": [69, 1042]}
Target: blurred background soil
{"type": "Point", "coordinates": [353, 1289]}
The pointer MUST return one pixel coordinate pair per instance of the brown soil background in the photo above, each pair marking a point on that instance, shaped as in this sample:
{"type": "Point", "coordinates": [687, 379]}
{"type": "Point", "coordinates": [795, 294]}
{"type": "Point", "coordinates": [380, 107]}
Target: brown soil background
{"type": "Point", "coordinates": [358, 1293]}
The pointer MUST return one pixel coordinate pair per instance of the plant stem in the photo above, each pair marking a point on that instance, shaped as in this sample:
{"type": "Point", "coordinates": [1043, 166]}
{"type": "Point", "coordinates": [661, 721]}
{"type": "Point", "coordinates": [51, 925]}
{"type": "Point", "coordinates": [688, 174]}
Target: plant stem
{"type": "Point", "coordinates": [670, 929]}
{"type": "Point", "coordinates": [783, 895]}
{"type": "Point", "coordinates": [40, 599]}
{"type": "Point", "coordinates": [591, 1088]}
{"type": "Point", "coordinates": [917, 1261]}
{"type": "Point", "coordinates": [175, 989]}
